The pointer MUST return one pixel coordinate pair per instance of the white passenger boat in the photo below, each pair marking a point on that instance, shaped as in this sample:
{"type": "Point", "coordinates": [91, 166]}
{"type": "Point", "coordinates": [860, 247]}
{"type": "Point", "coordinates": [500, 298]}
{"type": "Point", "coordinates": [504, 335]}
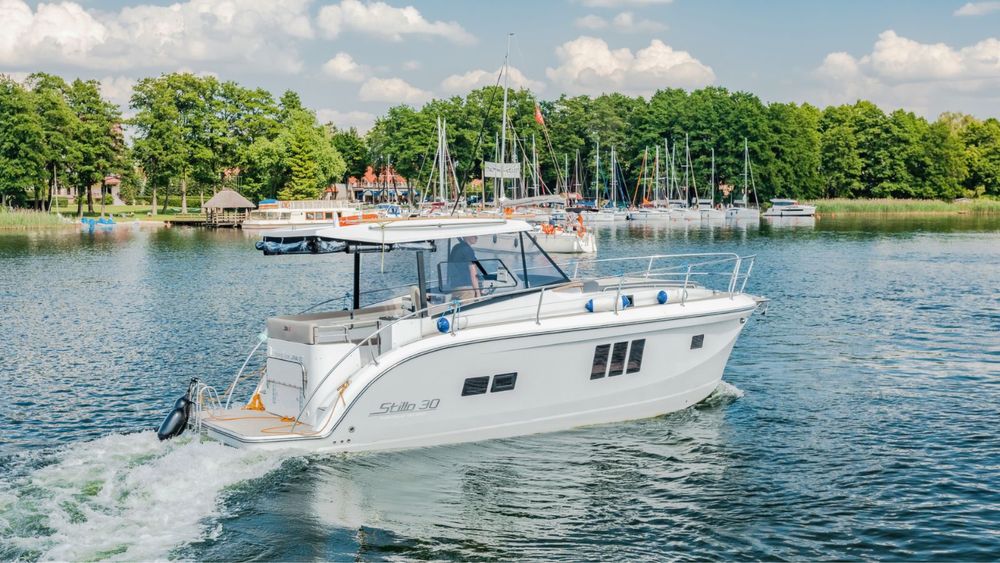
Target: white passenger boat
{"type": "Point", "coordinates": [789, 208]}
{"type": "Point", "coordinates": [492, 340]}
{"type": "Point", "coordinates": [274, 214]}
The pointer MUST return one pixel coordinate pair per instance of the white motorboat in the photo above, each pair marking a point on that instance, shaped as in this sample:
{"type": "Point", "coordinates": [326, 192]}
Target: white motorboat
{"type": "Point", "coordinates": [604, 215]}
{"type": "Point", "coordinates": [558, 240]}
{"type": "Point", "coordinates": [274, 214]}
{"type": "Point", "coordinates": [650, 214]}
{"type": "Point", "coordinates": [529, 347]}
{"type": "Point", "coordinates": [789, 208]}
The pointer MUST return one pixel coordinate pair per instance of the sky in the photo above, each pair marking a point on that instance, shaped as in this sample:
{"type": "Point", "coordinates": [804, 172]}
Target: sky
{"type": "Point", "coordinates": [352, 59]}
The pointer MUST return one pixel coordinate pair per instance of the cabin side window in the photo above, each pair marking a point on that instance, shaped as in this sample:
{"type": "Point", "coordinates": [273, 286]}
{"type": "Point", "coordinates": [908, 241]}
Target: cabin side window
{"type": "Point", "coordinates": [600, 366]}
{"type": "Point", "coordinates": [616, 359]}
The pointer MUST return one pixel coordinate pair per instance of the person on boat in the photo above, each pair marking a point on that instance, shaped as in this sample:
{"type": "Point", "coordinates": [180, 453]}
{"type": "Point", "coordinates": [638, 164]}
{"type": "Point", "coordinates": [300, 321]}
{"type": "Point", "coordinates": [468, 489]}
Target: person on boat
{"type": "Point", "coordinates": [462, 269]}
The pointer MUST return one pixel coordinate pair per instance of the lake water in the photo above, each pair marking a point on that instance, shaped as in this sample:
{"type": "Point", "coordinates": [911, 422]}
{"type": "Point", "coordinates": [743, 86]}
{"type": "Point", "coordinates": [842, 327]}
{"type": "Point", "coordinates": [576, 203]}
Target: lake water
{"type": "Point", "coordinates": [859, 419]}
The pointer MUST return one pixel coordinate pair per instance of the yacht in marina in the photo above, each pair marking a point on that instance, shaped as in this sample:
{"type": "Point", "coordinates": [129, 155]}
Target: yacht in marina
{"type": "Point", "coordinates": [781, 207]}
{"type": "Point", "coordinates": [492, 339]}
{"type": "Point", "coordinates": [740, 208]}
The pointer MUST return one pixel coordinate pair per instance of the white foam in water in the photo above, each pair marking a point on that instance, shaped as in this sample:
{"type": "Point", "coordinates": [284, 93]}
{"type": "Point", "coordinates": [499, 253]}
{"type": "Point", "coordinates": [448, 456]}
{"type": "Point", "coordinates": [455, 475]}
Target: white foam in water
{"type": "Point", "coordinates": [728, 390]}
{"type": "Point", "coordinates": [125, 497]}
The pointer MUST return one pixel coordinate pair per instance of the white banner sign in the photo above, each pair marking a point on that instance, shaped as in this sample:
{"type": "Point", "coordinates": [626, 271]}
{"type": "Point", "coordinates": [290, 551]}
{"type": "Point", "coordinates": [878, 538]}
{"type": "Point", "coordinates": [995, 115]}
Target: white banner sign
{"type": "Point", "coordinates": [505, 170]}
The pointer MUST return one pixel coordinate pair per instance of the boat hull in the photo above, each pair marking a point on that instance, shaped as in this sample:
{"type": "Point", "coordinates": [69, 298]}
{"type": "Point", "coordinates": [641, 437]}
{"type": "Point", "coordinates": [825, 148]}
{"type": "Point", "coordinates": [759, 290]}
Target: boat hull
{"type": "Point", "coordinates": [791, 211]}
{"type": "Point", "coordinates": [567, 243]}
{"type": "Point", "coordinates": [414, 396]}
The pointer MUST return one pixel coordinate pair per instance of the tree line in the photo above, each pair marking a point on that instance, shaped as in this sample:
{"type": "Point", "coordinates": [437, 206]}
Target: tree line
{"type": "Point", "coordinates": [797, 150]}
{"type": "Point", "coordinates": [188, 134]}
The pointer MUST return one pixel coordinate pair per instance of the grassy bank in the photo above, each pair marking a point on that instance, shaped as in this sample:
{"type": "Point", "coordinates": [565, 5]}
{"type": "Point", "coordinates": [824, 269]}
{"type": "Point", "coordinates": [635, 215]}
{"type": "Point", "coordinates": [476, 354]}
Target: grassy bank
{"type": "Point", "coordinates": [890, 206]}
{"type": "Point", "coordinates": [27, 219]}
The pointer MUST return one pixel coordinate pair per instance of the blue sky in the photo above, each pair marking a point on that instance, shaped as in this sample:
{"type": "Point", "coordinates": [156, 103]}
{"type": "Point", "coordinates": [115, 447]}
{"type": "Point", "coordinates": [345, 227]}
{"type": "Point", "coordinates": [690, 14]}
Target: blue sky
{"type": "Point", "coordinates": [351, 59]}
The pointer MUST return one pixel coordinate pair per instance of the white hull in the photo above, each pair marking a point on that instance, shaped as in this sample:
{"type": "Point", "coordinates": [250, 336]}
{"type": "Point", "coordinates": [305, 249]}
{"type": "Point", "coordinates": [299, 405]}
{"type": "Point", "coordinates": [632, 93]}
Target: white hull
{"type": "Point", "coordinates": [412, 397]}
{"type": "Point", "coordinates": [796, 211]}
{"type": "Point", "coordinates": [713, 215]}
{"type": "Point", "coordinates": [650, 215]}
{"type": "Point", "coordinates": [600, 217]}
{"type": "Point", "coordinates": [259, 225]}
{"type": "Point", "coordinates": [742, 213]}
{"type": "Point", "coordinates": [566, 243]}
{"type": "Point", "coordinates": [685, 215]}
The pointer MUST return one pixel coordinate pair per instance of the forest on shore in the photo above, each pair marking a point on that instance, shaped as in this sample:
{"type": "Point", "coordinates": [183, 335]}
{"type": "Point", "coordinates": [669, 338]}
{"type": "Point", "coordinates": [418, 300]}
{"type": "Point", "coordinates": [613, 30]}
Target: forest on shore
{"type": "Point", "coordinates": [186, 134]}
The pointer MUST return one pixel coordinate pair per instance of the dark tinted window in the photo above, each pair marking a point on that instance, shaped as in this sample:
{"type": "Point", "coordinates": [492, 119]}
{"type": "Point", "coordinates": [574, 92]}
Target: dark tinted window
{"type": "Point", "coordinates": [618, 359]}
{"type": "Point", "coordinates": [600, 365]}
{"type": "Point", "coordinates": [697, 341]}
{"type": "Point", "coordinates": [503, 382]}
{"type": "Point", "coordinates": [475, 386]}
{"type": "Point", "coordinates": [635, 355]}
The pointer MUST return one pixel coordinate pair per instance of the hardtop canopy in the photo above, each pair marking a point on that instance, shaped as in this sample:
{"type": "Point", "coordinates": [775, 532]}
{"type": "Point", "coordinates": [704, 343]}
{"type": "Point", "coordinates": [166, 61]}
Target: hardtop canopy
{"type": "Point", "coordinates": [322, 240]}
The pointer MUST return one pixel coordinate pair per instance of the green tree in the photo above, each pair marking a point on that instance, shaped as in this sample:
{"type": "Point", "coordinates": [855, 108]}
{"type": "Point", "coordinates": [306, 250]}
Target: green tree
{"type": "Point", "coordinates": [97, 140]}
{"type": "Point", "coordinates": [22, 143]}
{"type": "Point", "coordinates": [840, 165]}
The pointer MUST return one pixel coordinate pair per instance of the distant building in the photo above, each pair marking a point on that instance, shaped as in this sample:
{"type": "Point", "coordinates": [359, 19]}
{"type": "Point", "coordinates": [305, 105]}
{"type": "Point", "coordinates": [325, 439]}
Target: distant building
{"type": "Point", "coordinates": [387, 185]}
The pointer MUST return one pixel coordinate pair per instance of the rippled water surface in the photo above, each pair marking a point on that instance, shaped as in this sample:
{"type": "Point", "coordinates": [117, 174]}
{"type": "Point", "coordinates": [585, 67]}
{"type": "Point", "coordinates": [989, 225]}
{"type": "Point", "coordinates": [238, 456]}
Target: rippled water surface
{"type": "Point", "coordinates": [859, 418]}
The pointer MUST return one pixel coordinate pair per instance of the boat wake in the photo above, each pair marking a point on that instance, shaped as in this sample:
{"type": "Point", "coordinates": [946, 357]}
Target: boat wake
{"type": "Point", "coordinates": [724, 394]}
{"type": "Point", "coordinates": [127, 497]}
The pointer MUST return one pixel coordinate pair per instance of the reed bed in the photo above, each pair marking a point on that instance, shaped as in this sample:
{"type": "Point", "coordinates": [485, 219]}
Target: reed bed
{"type": "Point", "coordinates": [29, 219]}
{"type": "Point", "coordinates": [889, 206]}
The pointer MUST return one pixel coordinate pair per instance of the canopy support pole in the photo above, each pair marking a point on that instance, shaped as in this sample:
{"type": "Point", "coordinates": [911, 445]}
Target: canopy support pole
{"type": "Point", "coordinates": [357, 279]}
{"type": "Point", "coordinates": [422, 282]}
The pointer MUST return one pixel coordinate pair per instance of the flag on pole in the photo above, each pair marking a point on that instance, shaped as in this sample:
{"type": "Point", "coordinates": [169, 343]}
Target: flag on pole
{"type": "Point", "coordinates": [538, 115]}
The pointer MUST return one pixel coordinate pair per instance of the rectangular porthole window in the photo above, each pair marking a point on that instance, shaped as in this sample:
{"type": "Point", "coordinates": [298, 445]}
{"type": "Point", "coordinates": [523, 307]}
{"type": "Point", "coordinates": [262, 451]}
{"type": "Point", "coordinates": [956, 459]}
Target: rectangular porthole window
{"type": "Point", "coordinates": [475, 386]}
{"type": "Point", "coordinates": [618, 359]}
{"type": "Point", "coordinates": [600, 365]}
{"type": "Point", "coordinates": [503, 382]}
{"type": "Point", "coordinates": [697, 341]}
{"type": "Point", "coordinates": [635, 356]}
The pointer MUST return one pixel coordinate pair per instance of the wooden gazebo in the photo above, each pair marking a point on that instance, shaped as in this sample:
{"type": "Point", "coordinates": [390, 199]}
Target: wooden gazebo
{"type": "Point", "coordinates": [227, 208]}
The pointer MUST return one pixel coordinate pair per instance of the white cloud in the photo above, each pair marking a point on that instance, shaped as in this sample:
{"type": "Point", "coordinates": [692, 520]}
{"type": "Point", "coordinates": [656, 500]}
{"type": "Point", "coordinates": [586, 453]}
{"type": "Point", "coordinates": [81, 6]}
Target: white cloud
{"type": "Point", "coordinates": [256, 33]}
{"type": "Point", "coordinates": [392, 90]}
{"type": "Point", "coordinates": [977, 8]}
{"type": "Point", "coordinates": [923, 77]}
{"type": "Point", "coordinates": [385, 21]}
{"type": "Point", "coordinates": [117, 89]}
{"type": "Point", "coordinates": [361, 120]}
{"type": "Point", "coordinates": [588, 65]}
{"type": "Point", "coordinates": [412, 65]}
{"type": "Point", "coordinates": [343, 67]}
{"type": "Point", "coordinates": [591, 21]}
{"type": "Point", "coordinates": [624, 22]}
{"type": "Point", "coordinates": [621, 3]}
{"type": "Point", "coordinates": [462, 83]}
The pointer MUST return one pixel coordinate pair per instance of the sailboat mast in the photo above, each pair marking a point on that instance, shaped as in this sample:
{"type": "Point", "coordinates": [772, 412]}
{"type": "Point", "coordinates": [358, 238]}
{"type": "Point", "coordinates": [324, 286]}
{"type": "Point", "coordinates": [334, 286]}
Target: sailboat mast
{"type": "Point", "coordinates": [656, 174]}
{"type": "Point", "coordinates": [442, 195]}
{"type": "Point", "coordinates": [597, 175]}
{"type": "Point", "coordinates": [614, 179]}
{"type": "Point", "coordinates": [503, 123]}
{"type": "Point", "coordinates": [746, 166]}
{"type": "Point", "coordinates": [713, 176]}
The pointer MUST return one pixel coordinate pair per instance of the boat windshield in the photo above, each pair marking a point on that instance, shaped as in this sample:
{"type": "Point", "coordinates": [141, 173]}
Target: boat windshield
{"type": "Point", "coordinates": [489, 265]}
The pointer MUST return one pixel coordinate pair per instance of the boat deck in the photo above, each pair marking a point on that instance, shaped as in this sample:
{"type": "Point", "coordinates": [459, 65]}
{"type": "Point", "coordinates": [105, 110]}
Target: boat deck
{"type": "Point", "coordinates": [254, 424]}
